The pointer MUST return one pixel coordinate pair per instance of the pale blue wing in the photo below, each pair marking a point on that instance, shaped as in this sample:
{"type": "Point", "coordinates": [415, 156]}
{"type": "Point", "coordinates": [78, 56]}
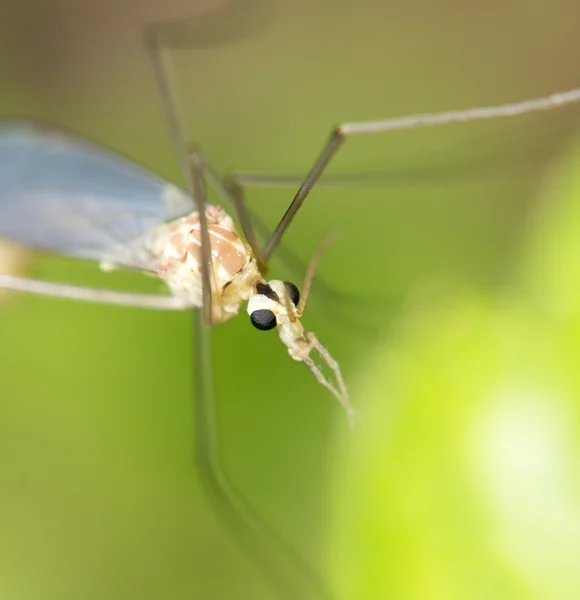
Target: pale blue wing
{"type": "Point", "coordinates": [64, 194]}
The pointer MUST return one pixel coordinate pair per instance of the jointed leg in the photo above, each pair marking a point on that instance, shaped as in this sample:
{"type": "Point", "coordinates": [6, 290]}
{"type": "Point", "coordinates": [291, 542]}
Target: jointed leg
{"type": "Point", "coordinates": [257, 538]}
{"type": "Point", "coordinates": [49, 288]}
{"type": "Point", "coordinates": [169, 103]}
{"type": "Point", "coordinates": [192, 166]}
{"type": "Point", "coordinates": [207, 270]}
{"type": "Point", "coordinates": [232, 190]}
{"type": "Point", "coordinates": [340, 134]}
{"type": "Point", "coordinates": [237, 197]}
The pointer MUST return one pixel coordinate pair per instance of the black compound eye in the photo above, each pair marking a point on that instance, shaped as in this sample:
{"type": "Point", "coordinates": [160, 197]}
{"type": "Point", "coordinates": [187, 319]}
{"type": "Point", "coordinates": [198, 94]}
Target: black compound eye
{"type": "Point", "coordinates": [263, 319]}
{"type": "Point", "coordinates": [293, 292]}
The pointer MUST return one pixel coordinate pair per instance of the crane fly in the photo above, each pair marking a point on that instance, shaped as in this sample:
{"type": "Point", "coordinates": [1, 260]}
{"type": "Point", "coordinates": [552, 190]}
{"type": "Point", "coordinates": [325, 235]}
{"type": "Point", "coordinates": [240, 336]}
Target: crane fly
{"type": "Point", "coordinates": [64, 194]}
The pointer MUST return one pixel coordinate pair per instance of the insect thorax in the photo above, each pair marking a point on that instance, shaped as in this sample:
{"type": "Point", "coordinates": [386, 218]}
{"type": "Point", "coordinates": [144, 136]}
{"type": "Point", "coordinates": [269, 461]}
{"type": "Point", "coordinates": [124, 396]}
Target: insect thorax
{"type": "Point", "coordinates": [177, 245]}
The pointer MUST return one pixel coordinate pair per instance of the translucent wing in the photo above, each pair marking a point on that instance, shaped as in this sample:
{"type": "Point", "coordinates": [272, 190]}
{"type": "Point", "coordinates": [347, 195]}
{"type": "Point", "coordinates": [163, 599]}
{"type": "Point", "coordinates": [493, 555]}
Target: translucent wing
{"type": "Point", "coordinates": [62, 193]}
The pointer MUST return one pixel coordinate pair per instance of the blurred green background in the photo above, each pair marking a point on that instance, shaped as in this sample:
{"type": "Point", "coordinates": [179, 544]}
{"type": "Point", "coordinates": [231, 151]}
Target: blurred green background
{"type": "Point", "coordinates": [456, 320]}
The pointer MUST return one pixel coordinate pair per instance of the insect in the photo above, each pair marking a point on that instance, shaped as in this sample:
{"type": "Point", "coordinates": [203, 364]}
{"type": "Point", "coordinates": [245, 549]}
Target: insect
{"type": "Point", "coordinates": [64, 194]}
{"type": "Point", "coordinates": [87, 202]}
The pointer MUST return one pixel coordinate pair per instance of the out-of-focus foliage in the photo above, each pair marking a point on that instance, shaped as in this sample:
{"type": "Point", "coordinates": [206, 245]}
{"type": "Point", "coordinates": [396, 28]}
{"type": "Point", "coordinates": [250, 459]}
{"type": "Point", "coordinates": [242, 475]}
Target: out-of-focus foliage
{"type": "Point", "coordinates": [464, 481]}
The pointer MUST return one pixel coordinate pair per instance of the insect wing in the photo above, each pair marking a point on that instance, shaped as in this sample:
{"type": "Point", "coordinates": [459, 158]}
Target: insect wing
{"type": "Point", "coordinates": [64, 194]}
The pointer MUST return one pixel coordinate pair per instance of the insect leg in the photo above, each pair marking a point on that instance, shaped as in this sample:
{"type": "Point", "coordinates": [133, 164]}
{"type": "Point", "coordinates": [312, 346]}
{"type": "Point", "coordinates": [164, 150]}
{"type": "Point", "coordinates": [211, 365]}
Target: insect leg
{"type": "Point", "coordinates": [192, 168]}
{"type": "Point", "coordinates": [291, 575]}
{"type": "Point", "coordinates": [49, 288]}
{"type": "Point", "coordinates": [207, 271]}
{"type": "Point", "coordinates": [340, 133]}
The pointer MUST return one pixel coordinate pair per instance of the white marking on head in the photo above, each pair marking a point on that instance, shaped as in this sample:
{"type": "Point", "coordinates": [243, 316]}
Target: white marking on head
{"type": "Point", "coordinates": [275, 297]}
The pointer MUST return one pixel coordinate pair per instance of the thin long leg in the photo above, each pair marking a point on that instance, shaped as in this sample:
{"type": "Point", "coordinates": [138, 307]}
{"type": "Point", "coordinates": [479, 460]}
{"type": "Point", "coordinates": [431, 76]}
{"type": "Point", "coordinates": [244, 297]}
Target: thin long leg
{"type": "Point", "coordinates": [253, 222]}
{"type": "Point", "coordinates": [169, 102]}
{"type": "Point", "coordinates": [190, 166]}
{"type": "Point", "coordinates": [237, 196]}
{"type": "Point", "coordinates": [293, 578]}
{"type": "Point", "coordinates": [279, 563]}
{"type": "Point", "coordinates": [345, 130]}
{"type": "Point", "coordinates": [228, 187]}
{"type": "Point", "coordinates": [49, 288]}
{"type": "Point", "coordinates": [241, 517]}
{"type": "Point", "coordinates": [464, 166]}
{"type": "Point", "coordinates": [207, 273]}
{"type": "Point", "coordinates": [232, 192]}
